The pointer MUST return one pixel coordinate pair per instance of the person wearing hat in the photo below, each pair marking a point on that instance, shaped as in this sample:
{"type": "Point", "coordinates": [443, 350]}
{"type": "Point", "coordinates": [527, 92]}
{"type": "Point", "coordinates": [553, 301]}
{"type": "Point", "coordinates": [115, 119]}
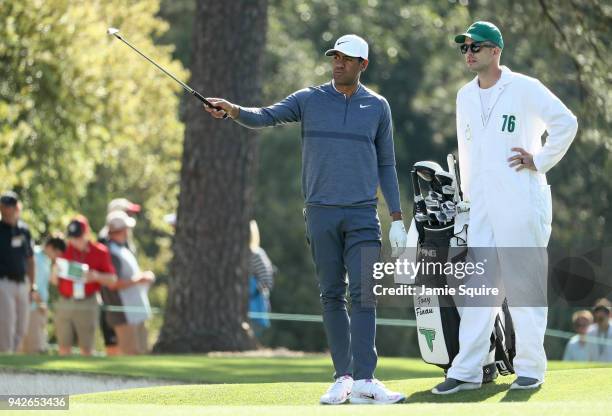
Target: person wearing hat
{"type": "Point", "coordinates": [119, 204]}
{"type": "Point", "coordinates": [602, 331]}
{"type": "Point", "coordinates": [347, 152]}
{"type": "Point", "coordinates": [128, 295]}
{"type": "Point", "coordinates": [77, 311]}
{"type": "Point", "coordinates": [132, 209]}
{"type": "Point", "coordinates": [578, 348]}
{"type": "Point", "coordinates": [501, 116]}
{"type": "Point", "coordinates": [16, 262]}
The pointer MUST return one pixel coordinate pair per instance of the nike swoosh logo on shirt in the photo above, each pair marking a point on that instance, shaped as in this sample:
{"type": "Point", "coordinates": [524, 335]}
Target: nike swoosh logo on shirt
{"type": "Point", "coordinates": [364, 106]}
{"type": "Point", "coordinates": [340, 43]}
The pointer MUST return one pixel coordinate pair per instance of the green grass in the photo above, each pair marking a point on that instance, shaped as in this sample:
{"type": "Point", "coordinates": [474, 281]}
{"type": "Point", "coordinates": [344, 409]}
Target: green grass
{"type": "Point", "coordinates": [292, 386]}
{"type": "Point", "coordinates": [205, 369]}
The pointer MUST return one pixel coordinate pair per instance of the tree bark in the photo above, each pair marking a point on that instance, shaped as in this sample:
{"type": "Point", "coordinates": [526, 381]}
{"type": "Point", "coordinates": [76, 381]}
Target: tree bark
{"type": "Point", "coordinates": [208, 292]}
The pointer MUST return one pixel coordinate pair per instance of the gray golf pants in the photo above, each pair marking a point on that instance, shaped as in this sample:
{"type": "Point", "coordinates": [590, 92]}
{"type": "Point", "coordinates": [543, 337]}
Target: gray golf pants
{"type": "Point", "coordinates": [347, 241]}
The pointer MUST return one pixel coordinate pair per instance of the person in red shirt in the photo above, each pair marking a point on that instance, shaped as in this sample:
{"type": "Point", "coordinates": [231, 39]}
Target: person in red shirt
{"type": "Point", "coordinates": [77, 313]}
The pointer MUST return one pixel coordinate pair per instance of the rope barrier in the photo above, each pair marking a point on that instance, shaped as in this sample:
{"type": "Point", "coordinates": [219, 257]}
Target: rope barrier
{"type": "Point", "coordinates": [297, 317]}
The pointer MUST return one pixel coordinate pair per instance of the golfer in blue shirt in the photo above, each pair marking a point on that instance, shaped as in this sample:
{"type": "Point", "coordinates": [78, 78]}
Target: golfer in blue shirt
{"type": "Point", "coordinates": [347, 152]}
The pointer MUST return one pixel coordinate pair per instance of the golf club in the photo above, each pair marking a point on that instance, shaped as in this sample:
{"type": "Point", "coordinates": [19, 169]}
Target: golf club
{"type": "Point", "coordinates": [419, 203]}
{"type": "Point", "coordinates": [453, 168]}
{"type": "Point", "coordinates": [115, 32]}
{"type": "Point", "coordinates": [427, 170]}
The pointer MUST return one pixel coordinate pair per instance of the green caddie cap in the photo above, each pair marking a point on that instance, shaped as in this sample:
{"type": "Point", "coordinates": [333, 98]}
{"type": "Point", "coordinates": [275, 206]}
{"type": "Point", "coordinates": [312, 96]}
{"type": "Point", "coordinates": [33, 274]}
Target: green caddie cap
{"type": "Point", "coordinates": [482, 31]}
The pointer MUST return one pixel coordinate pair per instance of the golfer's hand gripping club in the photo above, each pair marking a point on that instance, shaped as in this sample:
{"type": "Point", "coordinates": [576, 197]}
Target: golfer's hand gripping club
{"type": "Point", "coordinates": [220, 108]}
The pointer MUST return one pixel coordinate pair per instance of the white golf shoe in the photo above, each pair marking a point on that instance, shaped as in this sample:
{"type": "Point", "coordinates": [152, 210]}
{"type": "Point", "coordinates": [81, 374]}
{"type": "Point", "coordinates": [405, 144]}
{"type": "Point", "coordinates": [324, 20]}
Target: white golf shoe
{"type": "Point", "coordinates": [339, 392]}
{"type": "Point", "coordinates": [372, 391]}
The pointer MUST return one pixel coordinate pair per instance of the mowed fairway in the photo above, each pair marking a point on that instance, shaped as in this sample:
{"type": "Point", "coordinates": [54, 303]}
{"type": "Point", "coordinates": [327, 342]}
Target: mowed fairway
{"type": "Point", "coordinates": [292, 386]}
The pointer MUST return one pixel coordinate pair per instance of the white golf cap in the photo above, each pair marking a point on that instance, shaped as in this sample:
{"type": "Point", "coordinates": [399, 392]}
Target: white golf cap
{"type": "Point", "coordinates": [119, 220]}
{"type": "Point", "coordinates": [122, 204]}
{"type": "Point", "coordinates": [350, 45]}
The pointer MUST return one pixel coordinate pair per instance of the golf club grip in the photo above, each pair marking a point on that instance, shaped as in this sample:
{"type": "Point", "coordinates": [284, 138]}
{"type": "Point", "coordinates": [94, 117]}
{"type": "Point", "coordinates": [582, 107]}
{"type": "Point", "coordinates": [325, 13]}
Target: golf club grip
{"type": "Point", "coordinates": [208, 103]}
{"type": "Point", "coordinates": [458, 178]}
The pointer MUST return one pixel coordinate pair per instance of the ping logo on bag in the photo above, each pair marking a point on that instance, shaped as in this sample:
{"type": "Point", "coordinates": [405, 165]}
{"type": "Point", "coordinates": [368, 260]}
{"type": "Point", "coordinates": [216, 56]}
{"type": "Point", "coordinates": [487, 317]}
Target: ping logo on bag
{"type": "Point", "coordinates": [430, 335]}
{"type": "Point", "coordinates": [428, 252]}
{"type": "Point", "coordinates": [502, 368]}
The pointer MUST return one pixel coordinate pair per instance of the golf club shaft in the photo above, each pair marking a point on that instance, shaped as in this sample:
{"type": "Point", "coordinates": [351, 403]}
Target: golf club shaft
{"type": "Point", "coordinates": [458, 178]}
{"type": "Point", "coordinates": [185, 86]}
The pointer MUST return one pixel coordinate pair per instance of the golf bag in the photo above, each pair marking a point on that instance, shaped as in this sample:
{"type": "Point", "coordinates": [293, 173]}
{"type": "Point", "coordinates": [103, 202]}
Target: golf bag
{"type": "Point", "coordinates": [442, 238]}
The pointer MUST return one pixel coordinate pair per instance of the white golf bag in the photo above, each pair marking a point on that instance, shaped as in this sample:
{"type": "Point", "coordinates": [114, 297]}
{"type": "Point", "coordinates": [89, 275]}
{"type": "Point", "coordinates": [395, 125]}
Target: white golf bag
{"type": "Point", "coordinates": [441, 236]}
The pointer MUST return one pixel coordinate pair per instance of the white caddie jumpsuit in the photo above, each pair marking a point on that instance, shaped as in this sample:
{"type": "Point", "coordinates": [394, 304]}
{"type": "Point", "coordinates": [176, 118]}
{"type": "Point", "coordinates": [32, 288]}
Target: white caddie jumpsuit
{"type": "Point", "coordinates": [508, 208]}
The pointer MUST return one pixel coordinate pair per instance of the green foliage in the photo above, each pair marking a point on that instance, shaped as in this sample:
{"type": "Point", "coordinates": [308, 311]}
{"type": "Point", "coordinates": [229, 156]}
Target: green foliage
{"type": "Point", "coordinates": [83, 119]}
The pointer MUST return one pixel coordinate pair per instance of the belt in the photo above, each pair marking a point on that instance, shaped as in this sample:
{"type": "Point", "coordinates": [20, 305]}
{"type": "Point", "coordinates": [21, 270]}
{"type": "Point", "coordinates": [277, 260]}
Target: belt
{"type": "Point", "coordinates": [73, 298]}
{"type": "Point", "coordinates": [15, 279]}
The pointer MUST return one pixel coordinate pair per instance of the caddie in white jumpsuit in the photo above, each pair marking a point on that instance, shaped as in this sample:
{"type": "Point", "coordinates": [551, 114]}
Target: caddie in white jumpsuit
{"type": "Point", "coordinates": [501, 116]}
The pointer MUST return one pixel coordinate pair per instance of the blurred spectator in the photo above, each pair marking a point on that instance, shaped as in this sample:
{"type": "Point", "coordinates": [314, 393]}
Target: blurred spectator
{"type": "Point", "coordinates": [35, 340]}
{"type": "Point", "coordinates": [130, 290]}
{"type": "Point", "coordinates": [261, 280]}
{"type": "Point", "coordinates": [77, 311]}
{"type": "Point", "coordinates": [578, 347]}
{"type": "Point", "coordinates": [119, 204]}
{"type": "Point", "coordinates": [602, 330]}
{"type": "Point", "coordinates": [125, 205]}
{"type": "Point", "coordinates": [16, 261]}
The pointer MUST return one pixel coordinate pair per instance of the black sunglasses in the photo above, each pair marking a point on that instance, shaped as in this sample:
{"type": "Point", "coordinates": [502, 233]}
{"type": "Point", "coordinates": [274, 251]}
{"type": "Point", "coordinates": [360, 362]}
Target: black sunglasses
{"type": "Point", "coordinates": [474, 47]}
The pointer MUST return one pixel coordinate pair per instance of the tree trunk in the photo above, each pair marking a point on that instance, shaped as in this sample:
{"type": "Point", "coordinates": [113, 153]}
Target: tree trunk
{"type": "Point", "coordinates": [208, 291]}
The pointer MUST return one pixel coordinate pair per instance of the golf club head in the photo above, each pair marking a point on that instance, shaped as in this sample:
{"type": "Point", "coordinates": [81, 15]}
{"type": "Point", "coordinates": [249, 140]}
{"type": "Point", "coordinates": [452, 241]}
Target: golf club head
{"type": "Point", "coordinates": [435, 196]}
{"type": "Point", "coordinates": [432, 203]}
{"type": "Point", "coordinates": [448, 205]}
{"type": "Point", "coordinates": [449, 192]}
{"type": "Point", "coordinates": [445, 178]}
{"type": "Point", "coordinates": [112, 31]}
{"type": "Point", "coordinates": [441, 217]}
{"type": "Point", "coordinates": [427, 169]}
{"type": "Point", "coordinates": [421, 217]}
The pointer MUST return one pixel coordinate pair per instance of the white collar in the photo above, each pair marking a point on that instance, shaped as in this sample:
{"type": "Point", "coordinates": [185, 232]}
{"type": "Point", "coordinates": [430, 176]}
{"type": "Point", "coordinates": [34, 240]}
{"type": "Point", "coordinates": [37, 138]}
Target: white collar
{"type": "Point", "coordinates": [506, 77]}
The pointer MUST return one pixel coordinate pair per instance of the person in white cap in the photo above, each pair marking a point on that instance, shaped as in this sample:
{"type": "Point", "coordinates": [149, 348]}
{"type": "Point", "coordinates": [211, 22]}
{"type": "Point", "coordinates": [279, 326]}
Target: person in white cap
{"type": "Point", "coordinates": [130, 290]}
{"type": "Point", "coordinates": [119, 204]}
{"type": "Point", "coordinates": [132, 209]}
{"type": "Point", "coordinates": [347, 152]}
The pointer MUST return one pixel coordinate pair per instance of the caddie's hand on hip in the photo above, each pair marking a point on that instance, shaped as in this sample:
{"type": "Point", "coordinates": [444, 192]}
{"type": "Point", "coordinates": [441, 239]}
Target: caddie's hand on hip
{"type": "Point", "coordinates": [524, 159]}
{"type": "Point", "coordinates": [227, 107]}
{"type": "Point", "coordinates": [397, 234]}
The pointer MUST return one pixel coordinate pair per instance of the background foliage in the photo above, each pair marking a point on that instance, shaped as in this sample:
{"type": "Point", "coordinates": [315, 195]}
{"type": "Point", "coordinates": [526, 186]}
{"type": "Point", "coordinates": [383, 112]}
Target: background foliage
{"type": "Point", "coordinates": [82, 119]}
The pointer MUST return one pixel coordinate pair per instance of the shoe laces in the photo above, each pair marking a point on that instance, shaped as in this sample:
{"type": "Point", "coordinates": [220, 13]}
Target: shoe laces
{"type": "Point", "coordinates": [338, 383]}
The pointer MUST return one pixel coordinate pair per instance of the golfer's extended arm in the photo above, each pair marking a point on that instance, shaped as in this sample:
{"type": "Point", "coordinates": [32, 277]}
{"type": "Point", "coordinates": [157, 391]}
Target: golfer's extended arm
{"type": "Point", "coordinates": [561, 126]}
{"type": "Point", "coordinates": [387, 174]}
{"type": "Point", "coordinates": [285, 111]}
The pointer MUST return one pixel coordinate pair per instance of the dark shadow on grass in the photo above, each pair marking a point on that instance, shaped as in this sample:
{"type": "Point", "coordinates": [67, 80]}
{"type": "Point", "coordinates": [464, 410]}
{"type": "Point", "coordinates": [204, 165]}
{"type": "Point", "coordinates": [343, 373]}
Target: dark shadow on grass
{"type": "Point", "coordinates": [519, 395]}
{"type": "Point", "coordinates": [467, 396]}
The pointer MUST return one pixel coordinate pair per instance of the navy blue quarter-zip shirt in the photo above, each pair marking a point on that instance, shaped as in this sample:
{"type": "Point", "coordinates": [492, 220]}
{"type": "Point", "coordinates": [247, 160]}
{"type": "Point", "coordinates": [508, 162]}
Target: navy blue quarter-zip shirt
{"type": "Point", "coordinates": [347, 144]}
